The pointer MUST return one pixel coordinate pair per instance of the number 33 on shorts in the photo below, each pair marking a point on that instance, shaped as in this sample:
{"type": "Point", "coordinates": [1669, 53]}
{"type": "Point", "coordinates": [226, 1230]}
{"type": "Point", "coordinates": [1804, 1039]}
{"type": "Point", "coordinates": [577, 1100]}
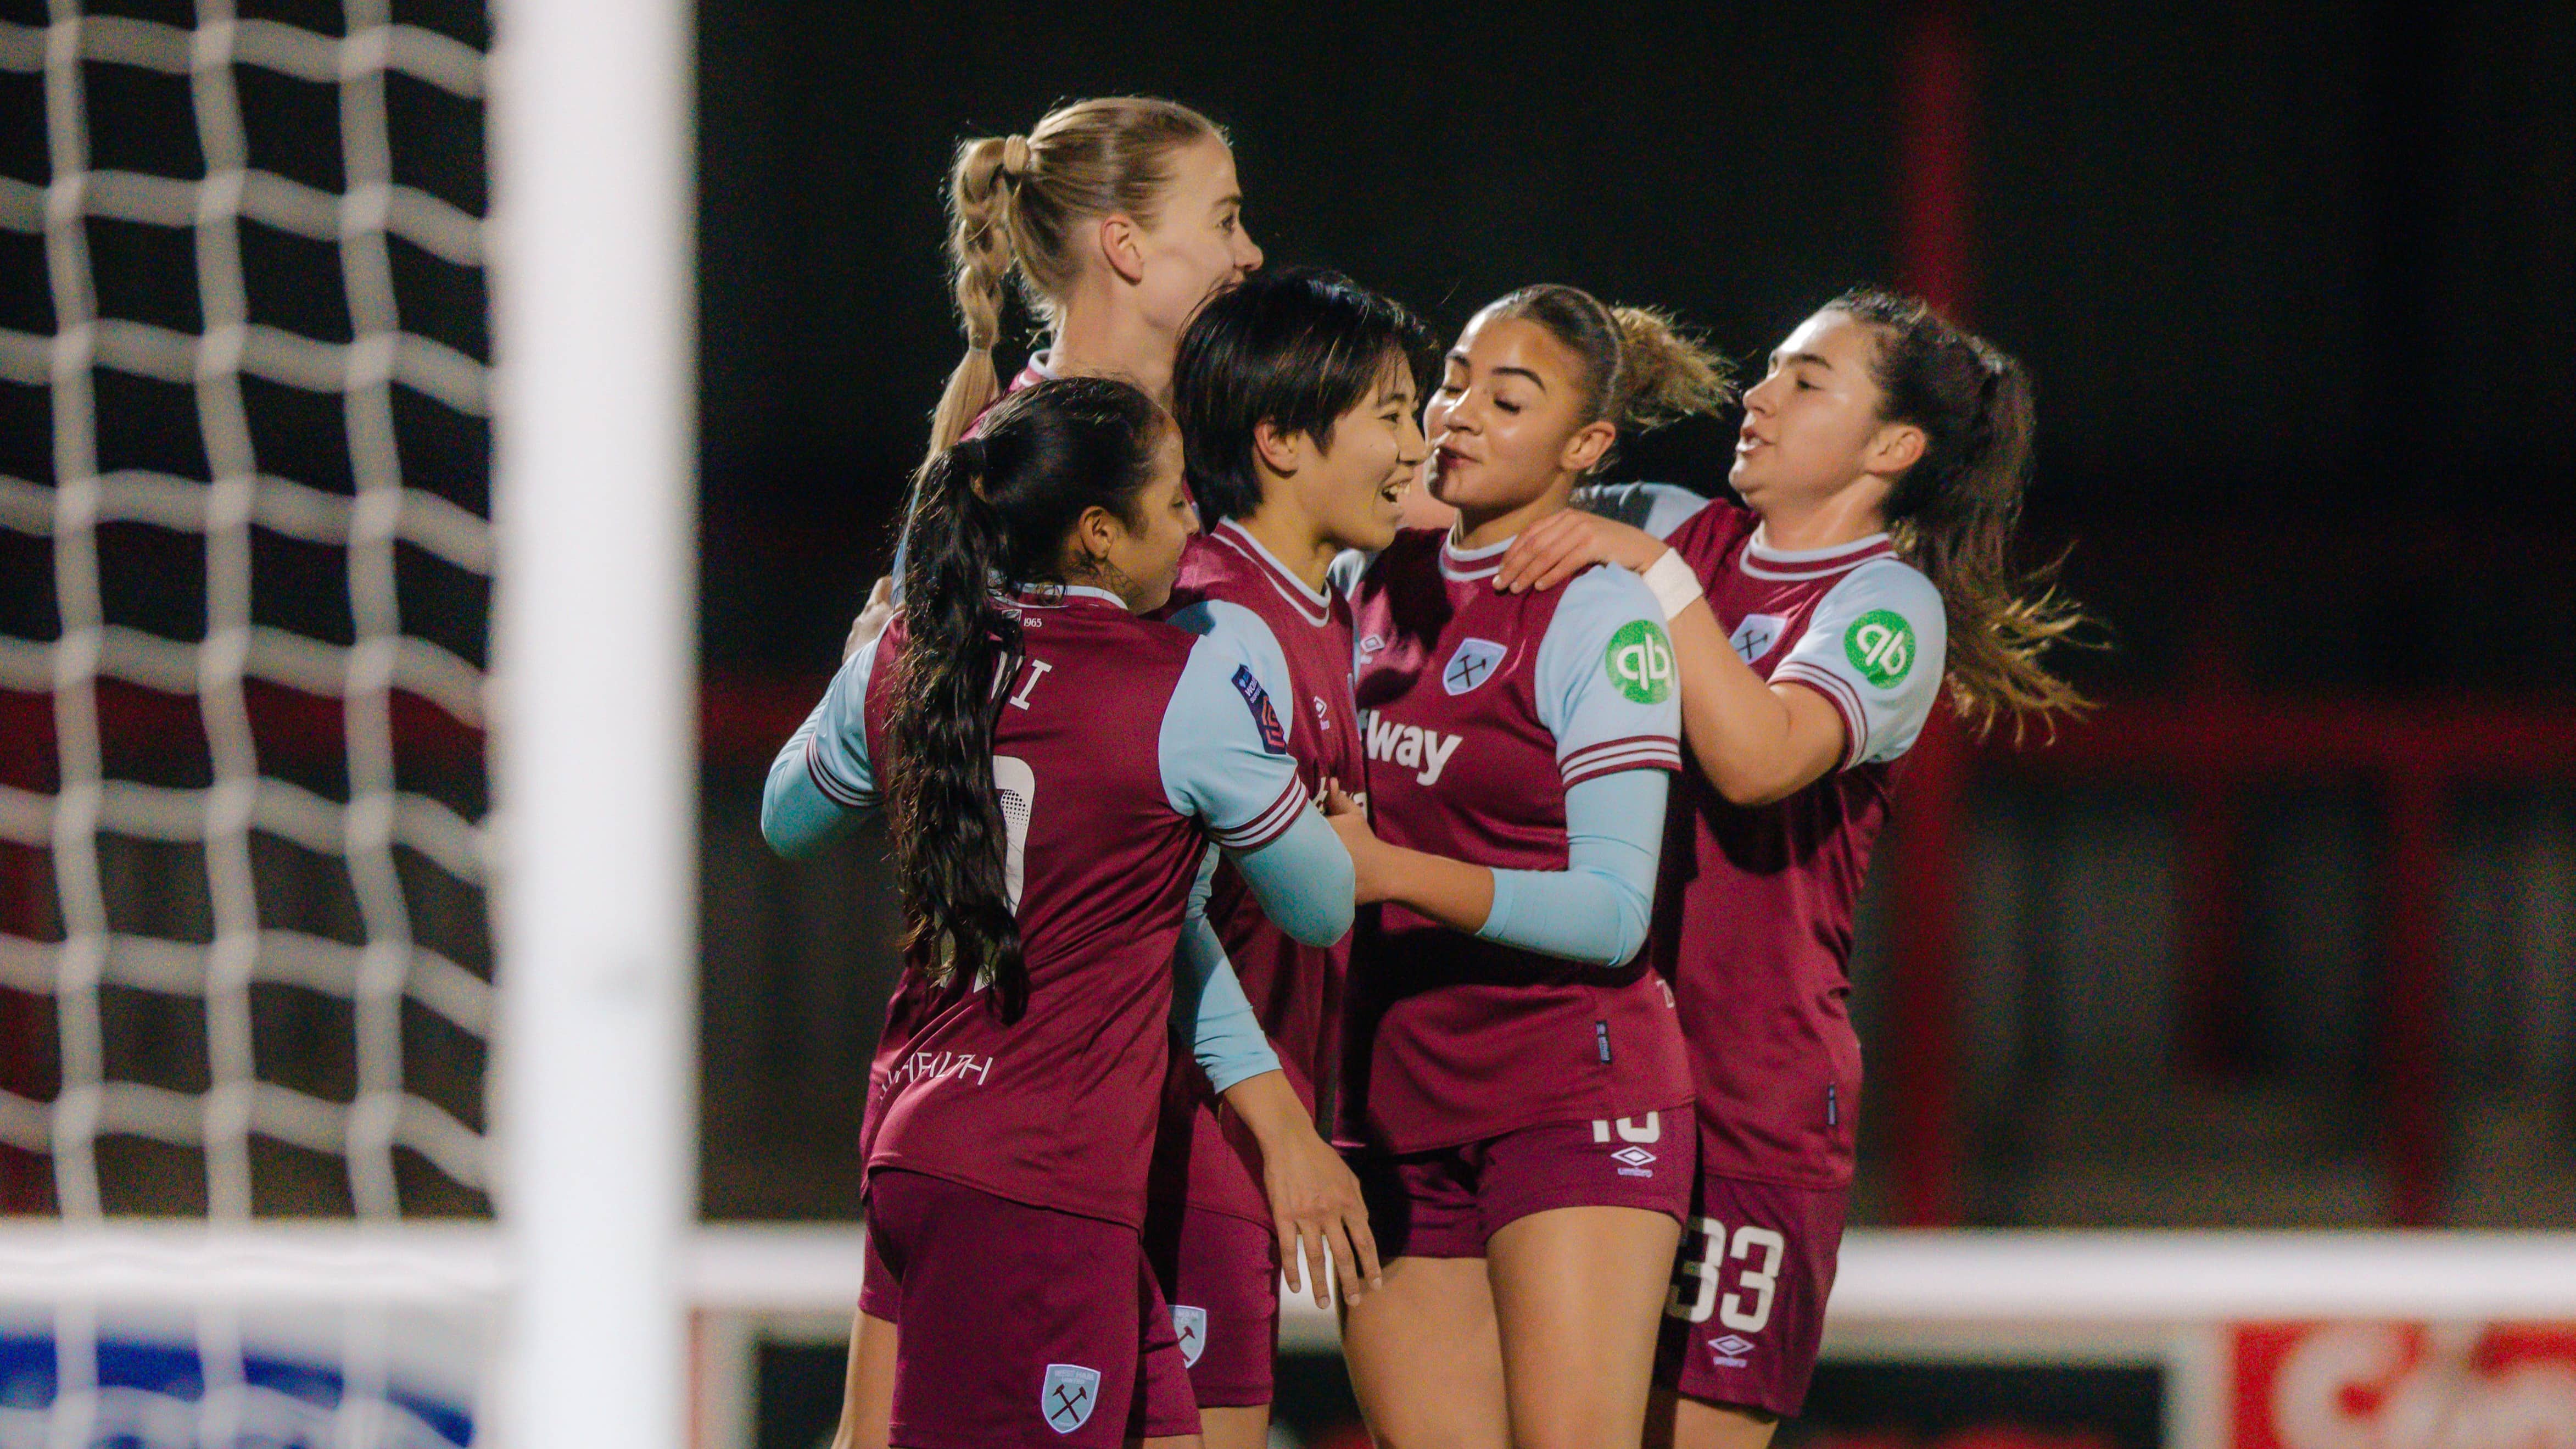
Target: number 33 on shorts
{"type": "Point", "coordinates": [1697, 1291]}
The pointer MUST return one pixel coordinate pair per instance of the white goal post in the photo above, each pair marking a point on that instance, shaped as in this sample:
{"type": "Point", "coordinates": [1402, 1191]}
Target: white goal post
{"type": "Point", "coordinates": [595, 654]}
{"type": "Point", "coordinates": [172, 138]}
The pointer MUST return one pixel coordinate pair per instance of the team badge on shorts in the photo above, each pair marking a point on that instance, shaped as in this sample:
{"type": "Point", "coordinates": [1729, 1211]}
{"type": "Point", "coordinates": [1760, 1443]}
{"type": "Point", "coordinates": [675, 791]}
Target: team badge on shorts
{"type": "Point", "coordinates": [1191, 1324]}
{"type": "Point", "coordinates": [1472, 665]}
{"type": "Point", "coordinates": [1068, 1396]}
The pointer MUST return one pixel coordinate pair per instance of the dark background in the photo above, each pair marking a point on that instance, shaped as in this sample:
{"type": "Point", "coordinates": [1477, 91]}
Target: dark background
{"type": "Point", "coordinates": [2297, 283]}
{"type": "Point", "coordinates": [2276, 267]}
{"type": "Point", "coordinates": [2286, 936]}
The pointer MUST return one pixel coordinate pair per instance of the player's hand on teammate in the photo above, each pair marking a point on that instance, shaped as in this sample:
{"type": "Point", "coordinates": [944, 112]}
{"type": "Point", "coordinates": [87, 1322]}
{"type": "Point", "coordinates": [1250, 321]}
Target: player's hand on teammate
{"type": "Point", "coordinates": [1349, 820]}
{"type": "Point", "coordinates": [1315, 1203]}
{"type": "Point", "coordinates": [1558, 547]}
{"type": "Point", "coordinates": [872, 620]}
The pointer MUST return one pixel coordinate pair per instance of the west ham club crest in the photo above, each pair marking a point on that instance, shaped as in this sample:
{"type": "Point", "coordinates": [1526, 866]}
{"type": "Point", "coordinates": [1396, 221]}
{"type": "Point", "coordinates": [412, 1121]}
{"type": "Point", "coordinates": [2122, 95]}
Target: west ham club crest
{"type": "Point", "coordinates": [1474, 662]}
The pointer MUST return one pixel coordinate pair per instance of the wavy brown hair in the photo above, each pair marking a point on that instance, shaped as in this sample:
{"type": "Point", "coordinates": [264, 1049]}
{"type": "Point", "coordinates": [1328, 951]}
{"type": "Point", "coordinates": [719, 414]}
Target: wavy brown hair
{"type": "Point", "coordinates": [1953, 514]}
{"type": "Point", "coordinates": [989, 515]}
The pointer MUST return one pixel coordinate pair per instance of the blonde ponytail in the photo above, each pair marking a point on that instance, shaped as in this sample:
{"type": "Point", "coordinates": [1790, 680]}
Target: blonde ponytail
{"type": "Point", "coordinates": [1015, 208]}
{"type": "Point", "coordinates": [1665, 374]}
{"type": "Point", "coordinates": [980, 188]}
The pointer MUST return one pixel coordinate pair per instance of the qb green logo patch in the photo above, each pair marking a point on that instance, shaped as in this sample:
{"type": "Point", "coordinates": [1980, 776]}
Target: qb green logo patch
{"type": "Point", "coordinates": [1640, 662]}
{"type": "Point", "coordinates": [1881, 646]}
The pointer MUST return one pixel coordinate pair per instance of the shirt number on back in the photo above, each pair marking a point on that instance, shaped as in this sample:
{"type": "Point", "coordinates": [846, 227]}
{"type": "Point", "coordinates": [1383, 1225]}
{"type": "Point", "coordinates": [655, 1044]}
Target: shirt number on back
{"type": "Point", "coordinates": [1748, 1311]}
{"type": "Point", "coordinates": [1017, 784]}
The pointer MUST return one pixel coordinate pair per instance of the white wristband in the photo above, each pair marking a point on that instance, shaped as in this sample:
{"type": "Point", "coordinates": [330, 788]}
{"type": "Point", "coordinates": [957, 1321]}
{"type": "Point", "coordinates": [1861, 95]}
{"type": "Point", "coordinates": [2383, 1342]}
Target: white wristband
{"type": "Point", "coordinates": [1674, 585]}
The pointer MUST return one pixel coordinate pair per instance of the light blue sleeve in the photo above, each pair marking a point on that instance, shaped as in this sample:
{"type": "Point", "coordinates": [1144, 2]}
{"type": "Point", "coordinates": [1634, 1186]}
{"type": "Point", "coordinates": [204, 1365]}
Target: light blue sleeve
{"type": "Point", "coordinates": [1225, 761]}
{"type": "Point", "coordinates": [1249, 635]}
{"type": "Point", "coordinates": [1874, 648]}
{"type": "Point", "coordinates": [1606, 684]}
{"type": "Point", "coordinates": [1658, 508]}
{"type": "Point", "coordinates": [1597, 908]}
{"type": "Point", "coordinates": [821, 780]}
{"type": "Point", "coordinates": [1303, 880]}
{"type": "Point", "coordinates": [1209, 1008]}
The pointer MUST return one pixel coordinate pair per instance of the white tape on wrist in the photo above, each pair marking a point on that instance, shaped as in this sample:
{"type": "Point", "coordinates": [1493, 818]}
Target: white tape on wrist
{"type": "Point", "coordinates": [1674, 585]}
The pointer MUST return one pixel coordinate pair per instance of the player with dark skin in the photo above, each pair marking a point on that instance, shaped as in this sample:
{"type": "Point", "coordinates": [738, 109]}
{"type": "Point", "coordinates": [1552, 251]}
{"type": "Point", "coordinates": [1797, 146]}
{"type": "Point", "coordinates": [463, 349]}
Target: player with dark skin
{"type": "Point", "coordinates": [1547, 1338]}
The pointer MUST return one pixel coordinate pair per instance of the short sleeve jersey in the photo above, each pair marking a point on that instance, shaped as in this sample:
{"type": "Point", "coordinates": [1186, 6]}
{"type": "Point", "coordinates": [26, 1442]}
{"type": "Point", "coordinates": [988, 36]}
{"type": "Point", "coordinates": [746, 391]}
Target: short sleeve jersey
{"type": "Point", "coordinates": [1478, 710]}
{"type": "Point", "coordinates": [1754, 908]}
{"type": "Point", "coordinates": [1122, 747]}
{"type": "Point", "coordinates": [1299, 642]}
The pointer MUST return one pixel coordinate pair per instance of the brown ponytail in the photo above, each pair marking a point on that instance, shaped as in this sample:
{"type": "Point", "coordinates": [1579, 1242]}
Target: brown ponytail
{"type": "Point", "coordinates": [1954, 513]}
{"type": "Point", "coordinates": [1015, 204]}
{"type": "Point", "coordinates": [1641, 370]}
{"type": "Point", "coordinates": [1665, 375]}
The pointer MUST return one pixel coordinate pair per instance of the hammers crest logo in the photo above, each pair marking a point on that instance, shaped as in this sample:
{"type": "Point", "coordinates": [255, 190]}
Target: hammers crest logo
{"type": "Point", "coordinates": [1191, 1324]}
{"type": "Point", "coordinates": [1471, 665]}
{"type": "Point", "coordinates": [1068, 1396]}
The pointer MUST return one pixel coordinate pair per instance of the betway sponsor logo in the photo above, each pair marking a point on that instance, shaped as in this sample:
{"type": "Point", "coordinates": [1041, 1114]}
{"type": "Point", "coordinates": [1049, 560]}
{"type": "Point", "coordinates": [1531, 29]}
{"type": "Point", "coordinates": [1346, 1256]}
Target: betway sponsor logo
{"type": "Point", "coordinates": [1411, 747]}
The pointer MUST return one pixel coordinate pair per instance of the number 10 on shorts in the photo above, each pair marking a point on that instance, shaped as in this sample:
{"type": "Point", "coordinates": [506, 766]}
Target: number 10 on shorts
{"type": "Point", "coordinates": [1696, 1291]}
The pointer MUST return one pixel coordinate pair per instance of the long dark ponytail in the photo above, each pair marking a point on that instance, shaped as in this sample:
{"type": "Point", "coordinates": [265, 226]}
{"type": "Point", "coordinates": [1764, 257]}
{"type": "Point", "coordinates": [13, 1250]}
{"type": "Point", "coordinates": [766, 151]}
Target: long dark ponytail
{"type": "Point", "coordinates": [1953, 514]}
{"type": "Point", "coordinates": [990, 514]}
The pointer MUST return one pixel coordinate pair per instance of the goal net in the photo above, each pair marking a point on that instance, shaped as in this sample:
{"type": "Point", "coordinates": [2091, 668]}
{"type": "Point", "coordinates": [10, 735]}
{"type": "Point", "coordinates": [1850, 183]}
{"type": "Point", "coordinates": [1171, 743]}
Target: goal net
{"type": "Point", "coordinates": [255, 898]}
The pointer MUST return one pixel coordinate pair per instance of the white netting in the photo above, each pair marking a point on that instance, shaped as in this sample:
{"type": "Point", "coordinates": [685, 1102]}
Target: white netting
{"type": "Point", "coordinates": [221, 1331]}
{"type": "Point", "coordinates": [238, 498]}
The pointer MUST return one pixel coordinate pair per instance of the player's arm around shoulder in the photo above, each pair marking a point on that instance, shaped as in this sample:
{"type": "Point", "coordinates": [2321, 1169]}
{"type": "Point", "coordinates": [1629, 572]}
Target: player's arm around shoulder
{"type": "Point", "coordinates": [1225, 761]}
{"type": "Point", "coordinates": [1608, 682]}
{"type": "Point", "coordinates": [1656, 508]}
{"type": "Point", "coordinates": [1874, 650]}
{"type": "Point", "coordinates": [822, 779]}
{"type": "Point", "coordinates": [1755, 741]}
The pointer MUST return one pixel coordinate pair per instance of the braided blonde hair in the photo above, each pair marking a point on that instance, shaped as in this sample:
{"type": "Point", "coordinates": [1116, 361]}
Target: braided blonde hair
{"type": "Point", "coordinates": [1015, 205]}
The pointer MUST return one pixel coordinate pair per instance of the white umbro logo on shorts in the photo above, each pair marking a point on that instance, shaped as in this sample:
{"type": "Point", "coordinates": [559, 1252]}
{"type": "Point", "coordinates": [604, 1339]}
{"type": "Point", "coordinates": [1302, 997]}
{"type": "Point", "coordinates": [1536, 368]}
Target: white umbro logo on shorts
{"type": "Point", "coordinates": [1633, 1156]}
{"type": "Point", "coordinates": [1729, 1352]}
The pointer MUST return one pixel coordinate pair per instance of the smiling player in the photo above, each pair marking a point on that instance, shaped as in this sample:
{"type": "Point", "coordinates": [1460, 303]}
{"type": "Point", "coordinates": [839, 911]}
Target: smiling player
{"type": "Point", "coordinates": [1511, 1072]}
{"type": "Point", "coordinates": [1296, 395]}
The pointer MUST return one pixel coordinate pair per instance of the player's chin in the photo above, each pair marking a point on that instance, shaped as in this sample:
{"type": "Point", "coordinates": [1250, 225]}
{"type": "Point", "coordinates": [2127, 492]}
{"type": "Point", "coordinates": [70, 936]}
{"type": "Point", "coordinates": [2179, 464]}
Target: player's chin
{"type": "Point", "coordinates": [1376, 526]}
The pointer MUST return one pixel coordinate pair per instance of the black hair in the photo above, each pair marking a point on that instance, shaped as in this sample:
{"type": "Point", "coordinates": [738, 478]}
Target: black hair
{"type": "Point", "coordinates": [1294, 347]}
{"type": "Point", "coordinates": [991, 512]}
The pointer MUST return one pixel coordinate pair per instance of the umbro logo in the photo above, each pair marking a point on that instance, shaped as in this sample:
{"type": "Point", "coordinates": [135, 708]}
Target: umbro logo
{"type": "Point", "coordinates": [1633, 1156]}
{"type": "Point", "coordinates": [1729, 1352]}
